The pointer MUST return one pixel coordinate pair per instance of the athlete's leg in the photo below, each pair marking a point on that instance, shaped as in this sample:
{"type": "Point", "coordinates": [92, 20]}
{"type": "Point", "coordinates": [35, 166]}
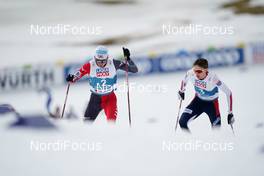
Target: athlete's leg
{"type": "Point", "coordinates": [212, 110]}
{"type": "Point", "coordinates": [93, 108]}
{"type": "Point", "coordinates": [109, 104]}
{"type": "Point", "coordinates": [192, 111]}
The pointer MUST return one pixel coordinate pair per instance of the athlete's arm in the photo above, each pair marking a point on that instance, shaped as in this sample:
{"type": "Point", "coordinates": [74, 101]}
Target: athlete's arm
{"type": "Point", "coordinates": [227, 91]}
{"type": "Point", "coordinates": [185, 81]}
{"type": "Point", "coordinates": [122, 66]}
{"type": "Point", "coordinates": [85, 69]}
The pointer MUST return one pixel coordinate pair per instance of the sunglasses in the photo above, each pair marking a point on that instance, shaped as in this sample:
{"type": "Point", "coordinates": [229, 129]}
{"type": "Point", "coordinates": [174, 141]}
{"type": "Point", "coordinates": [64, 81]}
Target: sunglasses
{"type": "Point", "coordinates": [198, 71]}
{"type": "Point", "coordinates": [101, 61]}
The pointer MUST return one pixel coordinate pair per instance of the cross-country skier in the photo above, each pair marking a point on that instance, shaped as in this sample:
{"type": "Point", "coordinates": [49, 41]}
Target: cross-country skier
{"type": "Point", "coordinates": [101, 71]}
{"type": "Point", "coordinates": [206, 85]}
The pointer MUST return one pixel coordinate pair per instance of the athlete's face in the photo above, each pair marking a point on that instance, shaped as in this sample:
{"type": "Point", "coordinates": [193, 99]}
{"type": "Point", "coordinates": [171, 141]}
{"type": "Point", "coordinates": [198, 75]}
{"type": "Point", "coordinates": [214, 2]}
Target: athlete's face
{"type": "Point", "coordinates": [101, 63]}
{"type": "Point", "coordinates": [200, 72]}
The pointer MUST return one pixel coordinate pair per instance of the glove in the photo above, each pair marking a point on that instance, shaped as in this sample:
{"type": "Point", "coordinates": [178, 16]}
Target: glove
{"type": "Point", "coordinates": [230, 119]}
{"type": "Point", "coordinates": [70, 78]}
{"type": "Point", "coordinates": [181, 95]}
{"type": "Point", "coordinates": [126, 53]}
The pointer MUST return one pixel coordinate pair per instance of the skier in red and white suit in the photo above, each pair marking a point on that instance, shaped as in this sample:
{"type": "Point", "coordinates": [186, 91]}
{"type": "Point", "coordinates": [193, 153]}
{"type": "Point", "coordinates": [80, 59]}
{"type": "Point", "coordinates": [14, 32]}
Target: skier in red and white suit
{"type": "Point", "coordinates": [101, 72]}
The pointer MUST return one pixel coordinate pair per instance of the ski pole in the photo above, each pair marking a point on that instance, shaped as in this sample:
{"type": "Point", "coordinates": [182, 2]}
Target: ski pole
{"type": "Point", "coordinates": [231, 125]}
{"type": "Point", "coordinates": [65, 100]}
{"type": "Point", "coordinates": [128, 97]}
{"type": "Point", "coordinates": [177, 121]}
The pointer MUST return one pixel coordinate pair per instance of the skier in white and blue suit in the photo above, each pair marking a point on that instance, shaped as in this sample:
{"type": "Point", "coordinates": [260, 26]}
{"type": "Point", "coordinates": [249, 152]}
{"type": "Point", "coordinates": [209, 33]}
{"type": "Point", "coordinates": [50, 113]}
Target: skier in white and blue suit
{"type": "Point", "coordinates": [206, 85]}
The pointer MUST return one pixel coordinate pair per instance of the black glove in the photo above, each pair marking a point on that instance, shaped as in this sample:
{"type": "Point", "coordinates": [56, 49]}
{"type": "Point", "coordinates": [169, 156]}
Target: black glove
{"type": "Point", "coordinates": [70, 78]}
{"type": "Point", "coordinates": [181, 95]}
{"type": "Point", "coordinates": [126, 53]}
{"type": "Point", "coordinates": [230, 119]}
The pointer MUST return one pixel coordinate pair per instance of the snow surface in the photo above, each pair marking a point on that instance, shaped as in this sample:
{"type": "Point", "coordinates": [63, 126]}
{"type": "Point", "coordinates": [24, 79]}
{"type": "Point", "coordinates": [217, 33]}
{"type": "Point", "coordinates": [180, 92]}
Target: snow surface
{"type": "Point", "coordinates": [140, 150]}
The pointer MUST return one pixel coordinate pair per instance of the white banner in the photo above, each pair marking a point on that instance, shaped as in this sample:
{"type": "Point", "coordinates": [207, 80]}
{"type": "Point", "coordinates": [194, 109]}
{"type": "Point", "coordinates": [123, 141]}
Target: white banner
{"type": "Point", "coordinates": [30, 77]}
